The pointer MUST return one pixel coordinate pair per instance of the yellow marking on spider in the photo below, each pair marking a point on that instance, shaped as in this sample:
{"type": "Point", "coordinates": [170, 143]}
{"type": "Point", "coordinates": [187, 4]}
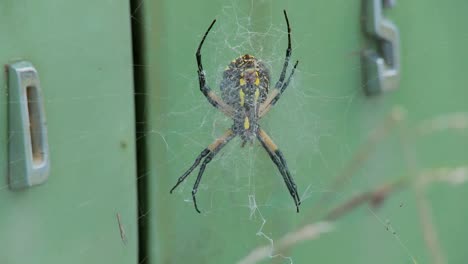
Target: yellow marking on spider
{"type": "Point", "coordinates": [246, 123]}
{"type": "Point", "coordinates": [242, 81]}
{"type": "Point", "coordinates": [242, 97]}
{"type": "Point", "coordinates": [257, 94]}
{"type": "Point", "coordinates": [257, 80]}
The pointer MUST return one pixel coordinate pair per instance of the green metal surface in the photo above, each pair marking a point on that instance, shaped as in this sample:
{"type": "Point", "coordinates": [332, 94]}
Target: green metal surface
{"type": "Point", "coordinates": [320, 123]}
{"type": "Point", "coordinates": [82, 51]}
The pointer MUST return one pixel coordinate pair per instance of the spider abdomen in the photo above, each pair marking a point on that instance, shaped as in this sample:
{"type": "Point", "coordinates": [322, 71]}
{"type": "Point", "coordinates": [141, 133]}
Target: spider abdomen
{"type": "Point", "coordinates": [245, 72]}
{"type": "Point", "coordinates": [244, 87]}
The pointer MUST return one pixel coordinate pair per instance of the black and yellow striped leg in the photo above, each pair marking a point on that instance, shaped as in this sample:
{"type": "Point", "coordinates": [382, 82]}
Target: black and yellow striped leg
{"type": "Point", "coordinates": [278, 158]}
{"type": "Point", "coordinates": [280, 81]}
{"type": "Point", "coordinates": [215, 148]}
{"type": "Point", "coordinates": [203, 154]}
{"type": "Point", "coordinates": [280, 85]}
{"type": "Point", "coordinates": [207, 154]}
{"type": "Point", "coordinates": [275, 95]}
{"type": "Point", "coordinates": [204, 88]}
{"type": "Point", "coordinates": [291, 180]}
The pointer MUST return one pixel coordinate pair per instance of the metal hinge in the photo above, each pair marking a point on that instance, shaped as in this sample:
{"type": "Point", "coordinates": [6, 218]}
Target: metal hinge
{"type": "Point", "coordinates": [382, 66]}
{"type": "Point", "coordinates": [28, 149]}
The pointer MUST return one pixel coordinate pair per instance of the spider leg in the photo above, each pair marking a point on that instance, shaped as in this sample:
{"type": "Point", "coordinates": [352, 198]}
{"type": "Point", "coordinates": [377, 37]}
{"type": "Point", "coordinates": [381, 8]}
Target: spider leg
{"type": "Point", "coordinates": [204, 88]}
{"type": "Point", "coordinates": [280, 81]}
{"type": "Point", "coordinates": [203, 154]}
{"type": "Point", "coordinates": [293, 184]}
{"type": "Point", "coordinates": [277, 157]}
{"type": "Point", "coordinates": [275, 95]}
{"type": "Point", "coordinates": [208, 155]}
{"type": "Point", "coordinates": [280, 85]}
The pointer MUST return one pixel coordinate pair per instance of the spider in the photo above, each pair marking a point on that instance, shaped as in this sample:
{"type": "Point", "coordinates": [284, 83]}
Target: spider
{"type": "Point", "coordinates": [244, 98]}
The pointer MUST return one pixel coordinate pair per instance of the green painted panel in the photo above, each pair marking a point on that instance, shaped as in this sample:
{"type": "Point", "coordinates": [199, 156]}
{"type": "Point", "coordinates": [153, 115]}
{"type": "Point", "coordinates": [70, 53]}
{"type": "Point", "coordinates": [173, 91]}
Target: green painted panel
{"type": "Point", "coordinates": [82, 51]}
{"type": "Point", "coordinates": [321, 123]}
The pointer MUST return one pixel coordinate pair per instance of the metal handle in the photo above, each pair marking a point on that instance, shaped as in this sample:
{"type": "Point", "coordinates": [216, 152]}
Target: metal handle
{"type": "Point", "coordinates": [28, 146]}
{"type": "Point", "coordinates": [382, 73]}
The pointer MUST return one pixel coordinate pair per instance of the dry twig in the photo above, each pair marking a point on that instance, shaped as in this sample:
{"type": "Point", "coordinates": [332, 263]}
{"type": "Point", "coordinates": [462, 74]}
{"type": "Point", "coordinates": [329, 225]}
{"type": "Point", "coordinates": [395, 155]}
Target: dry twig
{"type": "Point", "coordinates": [377, 196]}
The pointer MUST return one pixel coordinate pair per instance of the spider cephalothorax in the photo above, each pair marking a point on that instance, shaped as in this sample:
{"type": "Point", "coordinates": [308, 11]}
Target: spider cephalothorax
{"type": "Point", "coordinates": [245, 98]}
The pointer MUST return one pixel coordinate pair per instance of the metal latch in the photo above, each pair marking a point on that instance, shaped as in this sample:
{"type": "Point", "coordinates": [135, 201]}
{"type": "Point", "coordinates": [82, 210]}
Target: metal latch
{"type": "Point", "coordinates": [28, 149]}
{"type": "Point", "coordinates": [382, 66]}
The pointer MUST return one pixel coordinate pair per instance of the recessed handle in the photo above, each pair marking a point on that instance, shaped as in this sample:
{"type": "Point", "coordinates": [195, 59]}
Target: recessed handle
{"type": "Point", "coordinates": [28, 147]}
{"type": "Point", "coordinates": [381, 66]}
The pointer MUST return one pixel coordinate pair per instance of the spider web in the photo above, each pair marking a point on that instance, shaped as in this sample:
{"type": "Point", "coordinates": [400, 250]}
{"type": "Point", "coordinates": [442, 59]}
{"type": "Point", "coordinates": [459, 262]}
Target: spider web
{"type": "Point", "coordinates": [246, 177]}
{"type": "Point", "coordinates": [222, 46]}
